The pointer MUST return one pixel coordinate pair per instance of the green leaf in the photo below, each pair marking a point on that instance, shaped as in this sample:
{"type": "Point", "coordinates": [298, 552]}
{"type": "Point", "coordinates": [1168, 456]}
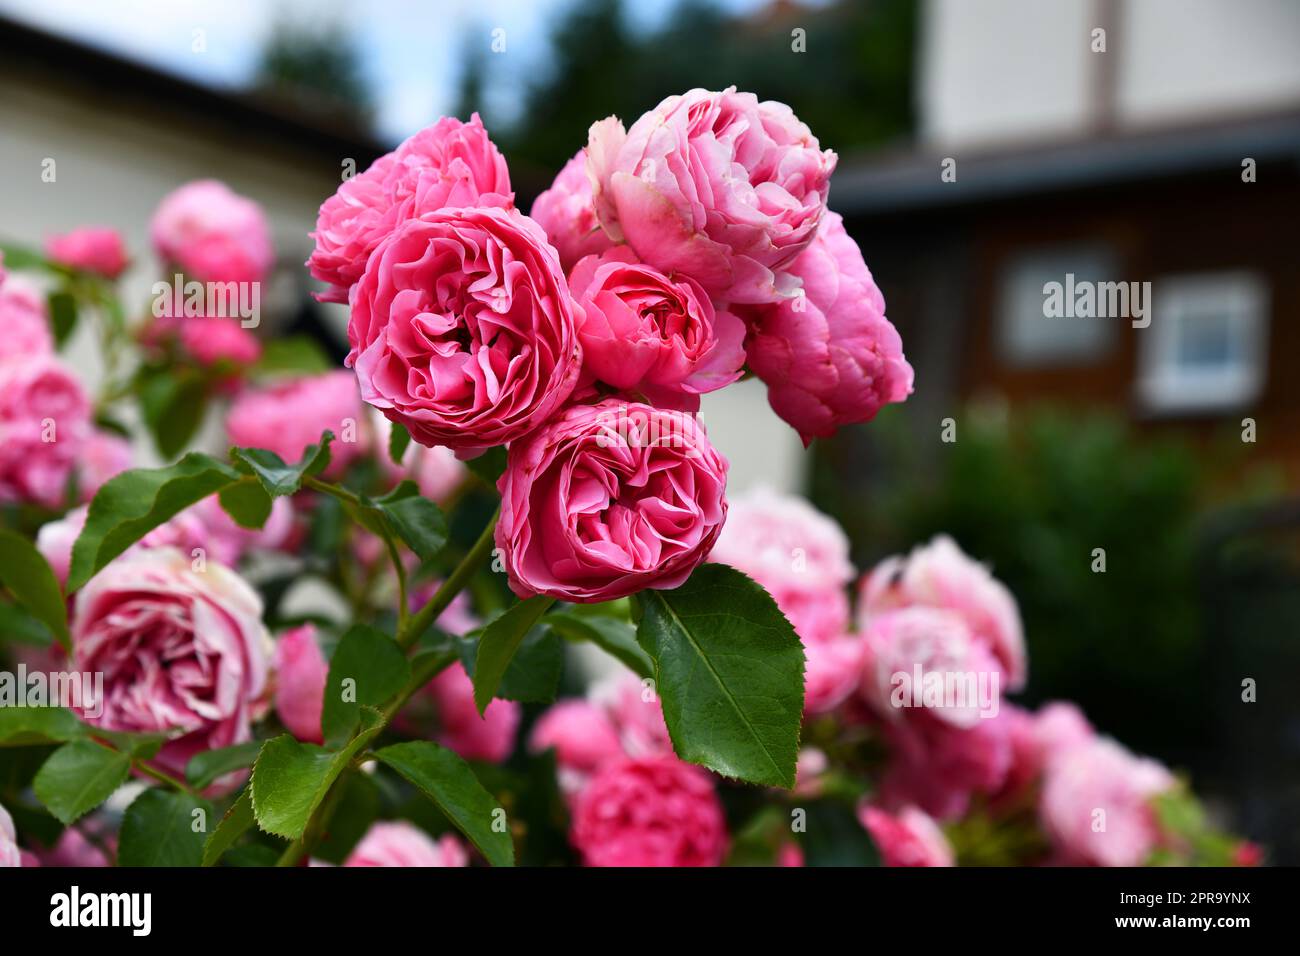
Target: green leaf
{"type": "Point", "coordinates": [533, 674]}
{"type": "Point", "coordinates": [238, 820]}
{"type": "Point", "coordinates": [449, 782]}
{"type": "Point", "coordinates": [26, 573]}
{"type": "Point", "coordinates": [208, 765]}
{"type": "Point", "coordinates": [354, 813]}
{"type": "Point", "coordinates": [729, 668]}
{"type": "Point", "coordinates": [24, 726]}
{"type": "Point", "coordinates": [615, 637]}
{"type": "Point", "coordinates": [399, 439]}
{"type": "Point", "coordinates": [833, 836]}
{"type": "Point", "coordinates": [292, 356]}
{"type": "Point", "coordinates": [490, 465]}
{"type": "Point", "coordinates": [290, 779]}
{"type": "Point", "coordinates": [498, 644]}
{"type": "Point", "coordinates": [63, 315]}
{"type": "Point", "coordinates": [23, 259]}
{"type": "Point", "coordinates": [158, 829]}
{"type": "Point", "coordinates": [173, 407]}
{"type": "Point", "coordinates": [417, 520]}
{"type": "Point", "coordinates": [374, 668]}
{"type": "Point", "coordinates": [248, 504]}
{"type": "Point", "coordinates": [19, 626]}
{"type": "Point", "coordinates": [279, 478]}
{"type": "Point", "coordinates": [78, 777]}
{"type": "Point", "coordinates": [132, 504]}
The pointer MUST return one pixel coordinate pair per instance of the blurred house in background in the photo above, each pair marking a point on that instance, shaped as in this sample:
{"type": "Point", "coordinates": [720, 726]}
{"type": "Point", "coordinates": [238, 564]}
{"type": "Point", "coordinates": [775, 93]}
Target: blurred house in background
{"type": "Point", "coordinates": [121, 136]}
{"type": "Point", "coordinates": [1107, 141]}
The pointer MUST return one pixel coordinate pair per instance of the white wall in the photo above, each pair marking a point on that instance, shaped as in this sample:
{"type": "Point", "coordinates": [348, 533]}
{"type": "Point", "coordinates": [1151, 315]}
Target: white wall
{"type": "Point", "coordinates": [998, 70]}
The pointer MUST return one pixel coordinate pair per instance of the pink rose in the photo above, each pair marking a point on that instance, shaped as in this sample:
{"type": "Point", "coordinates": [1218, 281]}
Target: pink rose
{"type": "Point", "coordinates": [582, 736]}
{"type": "Point", "coordinates": [104, 455]}
{"type": "Point", "coordinates": [828, 355]}
{"type": "Point", "coordinates": [644, 332]}
{"type": "Point", "coordinates": [212, 234]}
{"type": "Point", "coordinates": [10, 856]}
{"type": "Point", "coordinates": [908, 838]}
{"type": "Point", "coordinates": [300, 674]}
{"type": "Point", "coordinates": [179, 650]}
{"type": "Point", "coordinates": [716, 186]}
{"type": "Point", "coordinates": [463, 328]}
{"type": "Point", "coordinates": [568, 214]}
{"type": "Point", "coordinates": [287, 416]}
{"type": "Point", "coordinates": [44, 424]}
{"type": "Point", "coordinates": [924, 659]}
{"type": "Point", "coordinates": [398, 843]}
{"type": "Point", "coordinates": [211, 339]}
{"type": "Point", "coordinates": [607, 500]}
{"type": "Point", "coordinates": [1096, 804]}
{"type": "Point", "coordinates": [24, 321]}
{"type": "Point", "coordinates": [832, 672]}
{"type": "Point", "coordinates": [941, 575]}
{"type": "Point", "coordinates": [448, 164]}
{"type": "Point", "coordinates": [490, 737]}
{"type": "Point", "coordinates": [55, 539]}
{"type": "Point", "coordinates": [636, 713]}
{"type": "Point", "coordinates": [97, 249]}
{"type": "Point", "coordinates": [649, 811]}
{"type": "Point", "coordinates": [798, 554]}
{"type": "Point", "coordinates": [226, 542]}
{"type": "Point", "coordinates": [938, 766]}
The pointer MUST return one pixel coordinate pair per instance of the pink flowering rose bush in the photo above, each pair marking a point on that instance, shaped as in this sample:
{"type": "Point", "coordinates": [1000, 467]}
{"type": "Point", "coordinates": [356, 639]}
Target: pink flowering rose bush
{"type": "Point", "coordinates": [474, 591]}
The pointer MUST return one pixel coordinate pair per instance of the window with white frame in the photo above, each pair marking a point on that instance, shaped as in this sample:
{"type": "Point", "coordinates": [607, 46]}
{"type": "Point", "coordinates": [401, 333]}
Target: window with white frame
{"type": "Point", "coordinates": [1028, 333]}
{"type": "Point", "coordinates": [1207, 346]}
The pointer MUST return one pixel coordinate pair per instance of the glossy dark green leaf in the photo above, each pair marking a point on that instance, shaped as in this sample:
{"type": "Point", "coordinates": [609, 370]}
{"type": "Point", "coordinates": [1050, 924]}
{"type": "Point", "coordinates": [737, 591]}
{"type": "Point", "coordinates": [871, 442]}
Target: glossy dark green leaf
{"type": "Point", "coordinates": [367, 669]}
{"type": "Point", "coordinates": [247, 504]}
{"type": "Point", "coordinates": [27, 575]}
{"type": "Point", "coordinates": [132, 504]}
{"type": "Point", "coordinates": [613, 636]}
{"type": "Point", "coordinates": [449, 782]}
{"type": "Point", "coordinates": [207, 765]}
{"type": "Point", "coordinates": [279, 478]}
{"type": "Point", "coordinates": [25, 726]}
{"type": "Point", "coordinates": [729, 668]}
{"type": "Point", "coordinates": [78, 777]}
{"type": "Point", "coordinates": [399, 439]}
{"type": "Point", "coordinates": [237, 821]}
{"type": "Point", "coordinates": [498, 643]}
{"type": "Point", "coordinates": [163, 828]}
{"type": "Point", "coordinates": [533, 674]}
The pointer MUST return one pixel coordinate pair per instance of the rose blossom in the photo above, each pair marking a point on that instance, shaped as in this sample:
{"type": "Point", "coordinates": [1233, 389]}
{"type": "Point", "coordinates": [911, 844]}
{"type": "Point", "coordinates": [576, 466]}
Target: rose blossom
{"type": "Point", "coordinates": [649, 811]}
{"type": "Point", "coordinates": [568, 214]}
{"type": "Point", "coordinates": [300, 675]}
{"type": "Point", "coordinates": [210, 339]}
{"type": "Point", "coordinates": [940, 575]}
{"type": "Point", "coordinates": [97, 249]}
{"type": "Point", "coordinates": [938, 766]}
{"type": "Point", "coordinates": [104, 455]}
{"type": "Point", "coordinates": [24, 322]}
{"type": "Point", "coordinates": [582, 736]}
{"type": "Point", "coordinates": [490, 737]}
{"type": "Point", "coordinates": [607, 500]}
{"type": "Point", "coordinates": [44, 423]}
{"type": "Point", "coordinates": [799, 555]}
{"type": "Point", "coordinates": [179, 650]}
{"type": "Point", "coordinates": [212, 234]}
{"type": "Point", "coordinates": [448, 164]}
{"type": "Point", "coordinates": [287, 416]}
{"type": "Point", "coordinates": [398, 843]}
{"type": "Point", "coordinates": [10, 856]}
{"type": "Point", "coordinates": [828, 355]}
{"type": "Point", "coordinates": [908, 838]}
{"type": "Point", "coordinates": [1096, 804]}
{"type": "Point", "coordinates": [642, 331]}
{"type": "Point", "coordinates": [463, 328]}
{"type": "Point", "coordinates": [832, 672]}
{"type": "Point", "coordinates": [636, 712]}
{"type": "Point", "coordinates": [717, 186]}
{"type": "Point", "coordinates": [940, 645]}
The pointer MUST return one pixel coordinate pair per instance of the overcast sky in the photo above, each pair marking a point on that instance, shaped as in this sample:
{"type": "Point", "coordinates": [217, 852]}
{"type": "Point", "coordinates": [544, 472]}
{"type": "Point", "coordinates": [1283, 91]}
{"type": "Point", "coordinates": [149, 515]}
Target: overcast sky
{"type": "Point", "coordinates": [410, 49]}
